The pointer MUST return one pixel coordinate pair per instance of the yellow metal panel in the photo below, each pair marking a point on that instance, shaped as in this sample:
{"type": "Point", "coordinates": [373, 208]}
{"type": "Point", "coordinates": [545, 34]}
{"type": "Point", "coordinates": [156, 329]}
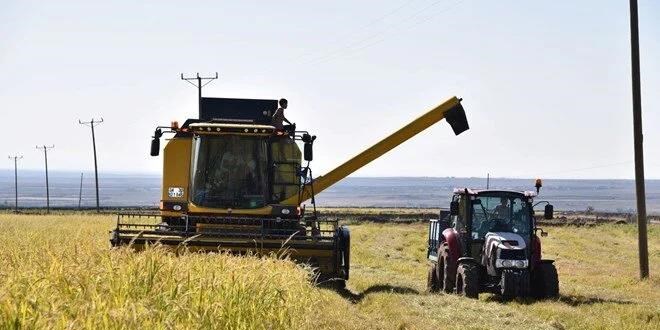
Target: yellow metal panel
{"type": "Point", "coordinates": [176, 166]}
{"type": "Point", "coordinates": [192, 208]}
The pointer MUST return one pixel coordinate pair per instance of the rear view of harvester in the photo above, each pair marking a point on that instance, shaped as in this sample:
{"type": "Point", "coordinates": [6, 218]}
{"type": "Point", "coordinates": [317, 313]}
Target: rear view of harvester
{"type": "Point", "coordinates": [235, 180]}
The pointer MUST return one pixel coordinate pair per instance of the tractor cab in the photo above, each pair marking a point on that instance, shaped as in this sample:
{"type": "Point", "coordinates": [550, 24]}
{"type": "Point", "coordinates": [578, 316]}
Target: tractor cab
{"type": "Point", "coordinates": [492, 234]}
{"type": "Point", "coordinates": [482, 215]}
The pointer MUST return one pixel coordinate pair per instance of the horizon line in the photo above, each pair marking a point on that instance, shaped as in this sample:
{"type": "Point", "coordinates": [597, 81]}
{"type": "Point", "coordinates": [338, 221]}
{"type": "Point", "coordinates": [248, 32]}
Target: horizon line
{"type": "Point", "coordinates": [129, 173]}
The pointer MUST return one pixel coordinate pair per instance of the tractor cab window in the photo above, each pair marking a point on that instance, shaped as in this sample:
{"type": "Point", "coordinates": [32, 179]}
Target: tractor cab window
{"type": "Point", "coordinates": [500, 213]}
{"type": "Point", "coordinates": [230, 171]}
{"type": "Point", "coordinates": [459, 221]}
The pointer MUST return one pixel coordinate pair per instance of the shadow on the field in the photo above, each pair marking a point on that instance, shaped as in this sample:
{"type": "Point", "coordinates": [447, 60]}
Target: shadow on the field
{"type": "Point", "coordinates": [578, 300]}
{"type": "Point", "coordinates": [571, 300]}
{"type": "Point", "coordinates": [357, 297]}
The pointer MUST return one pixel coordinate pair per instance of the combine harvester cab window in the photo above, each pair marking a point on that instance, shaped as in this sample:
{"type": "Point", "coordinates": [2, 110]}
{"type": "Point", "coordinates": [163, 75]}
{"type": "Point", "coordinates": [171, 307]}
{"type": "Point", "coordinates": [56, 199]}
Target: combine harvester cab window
{"type": "Point", "coordinates": [230, 171]}
{"type": "Point", "coordinates": [286, 167]}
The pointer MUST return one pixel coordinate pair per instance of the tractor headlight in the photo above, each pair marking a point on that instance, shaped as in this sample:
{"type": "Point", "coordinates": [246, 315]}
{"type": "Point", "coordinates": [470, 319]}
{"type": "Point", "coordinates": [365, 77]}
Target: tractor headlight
{"type": "Point", "coordinates": [507, 263]}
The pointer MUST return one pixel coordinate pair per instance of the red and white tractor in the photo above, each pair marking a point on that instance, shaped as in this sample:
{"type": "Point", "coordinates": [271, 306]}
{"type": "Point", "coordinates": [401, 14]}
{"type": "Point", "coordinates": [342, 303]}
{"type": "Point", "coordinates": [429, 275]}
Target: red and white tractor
{"type": "Point", "coordinates": [488, 242]}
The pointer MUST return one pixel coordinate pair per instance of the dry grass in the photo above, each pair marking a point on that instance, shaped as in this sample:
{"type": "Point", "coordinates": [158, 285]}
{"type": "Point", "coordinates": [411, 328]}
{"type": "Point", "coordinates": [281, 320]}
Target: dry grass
{"type": "Point", "coordinates": [58, 272]}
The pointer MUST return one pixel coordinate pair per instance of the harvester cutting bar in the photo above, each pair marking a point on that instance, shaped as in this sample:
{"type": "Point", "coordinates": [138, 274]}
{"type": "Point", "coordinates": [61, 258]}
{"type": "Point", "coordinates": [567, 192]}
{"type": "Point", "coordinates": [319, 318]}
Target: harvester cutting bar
{"type": "Point", "coordinates": [224, 233]}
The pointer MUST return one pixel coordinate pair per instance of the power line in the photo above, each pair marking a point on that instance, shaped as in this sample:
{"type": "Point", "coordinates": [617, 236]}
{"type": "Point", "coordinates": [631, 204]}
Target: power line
{"type": "Point", "coordinates": [92, 124]}
{"type": "Point", "coordinates": [364, 43]}
{"type": "Point", "coordinates": [16, 158]}
{"type": "Point", "coordinates": [45, 148]}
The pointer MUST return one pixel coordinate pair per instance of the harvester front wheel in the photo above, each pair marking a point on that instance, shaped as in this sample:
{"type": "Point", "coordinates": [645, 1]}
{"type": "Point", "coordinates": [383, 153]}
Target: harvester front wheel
{"type": "Point", "coordinates": [467, 280]}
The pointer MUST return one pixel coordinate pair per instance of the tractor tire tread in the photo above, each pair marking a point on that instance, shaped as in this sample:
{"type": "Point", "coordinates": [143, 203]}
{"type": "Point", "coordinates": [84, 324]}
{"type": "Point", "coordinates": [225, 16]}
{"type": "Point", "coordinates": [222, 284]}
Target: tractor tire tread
{"type": "Point", "coordinates": [467, 280]}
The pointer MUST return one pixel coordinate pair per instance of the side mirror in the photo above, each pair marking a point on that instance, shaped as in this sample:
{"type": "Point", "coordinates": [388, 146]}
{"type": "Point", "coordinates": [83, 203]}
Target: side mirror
{"type": "Point", "coordinates": [308, 140]}
{"type": "Point", "coordinates": [155, 142]}
{"type": "Point", "coordinates": [548, 212]}
{"type": "Point", "coordinates": [309, 153]}
{"type": "Point", "coordinates": [453, 208]}
{"type": "Point", "coordinates": [155, 146]}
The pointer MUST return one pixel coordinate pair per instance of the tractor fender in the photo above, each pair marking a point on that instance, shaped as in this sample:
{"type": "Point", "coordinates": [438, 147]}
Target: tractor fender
{"type": "Point", "coordinates": [536, 251]}
{"type": "Point", "coordinates": [451, 239]}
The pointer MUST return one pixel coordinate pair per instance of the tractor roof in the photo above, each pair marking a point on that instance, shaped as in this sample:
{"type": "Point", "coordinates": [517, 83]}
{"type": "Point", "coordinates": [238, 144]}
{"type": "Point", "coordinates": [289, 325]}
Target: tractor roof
{"type": "Point", "coordinates": [486, 191]}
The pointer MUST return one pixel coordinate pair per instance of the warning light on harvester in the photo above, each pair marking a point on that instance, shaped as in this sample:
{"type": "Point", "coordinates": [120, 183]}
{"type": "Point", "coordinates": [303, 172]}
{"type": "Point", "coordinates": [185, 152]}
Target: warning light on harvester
{"type": "Point", "coordinates": [174, 124]}
{"type": "Point", "coordinates": [538, 185]}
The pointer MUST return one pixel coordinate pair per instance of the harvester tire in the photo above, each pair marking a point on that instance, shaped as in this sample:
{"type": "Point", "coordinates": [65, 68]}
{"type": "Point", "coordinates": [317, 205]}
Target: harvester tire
{"type": "Point", "coordinates": [446, 275]}
{"type": "Point", "coordinates": [546, 281]}
{"type": "Point", "coordinates": [467, 280]}
{"type": "Point", "coordinates": [345, 251]}
{"type": "Point", "coordinates": [432, 284]}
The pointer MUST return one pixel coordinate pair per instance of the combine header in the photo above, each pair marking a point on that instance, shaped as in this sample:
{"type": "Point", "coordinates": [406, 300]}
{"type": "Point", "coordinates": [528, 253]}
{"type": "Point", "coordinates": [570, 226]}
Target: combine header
{"type": "Point", "coordinates": [235, 180]}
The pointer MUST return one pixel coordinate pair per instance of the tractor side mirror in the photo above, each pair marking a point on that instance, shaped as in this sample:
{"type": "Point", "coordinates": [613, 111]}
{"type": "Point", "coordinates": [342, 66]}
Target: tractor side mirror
{"type": "Point", "coordinates": [453, 208]}
{"type": "Point", "coordinates": [155, 142]}
{"type": "Point", "coordinates": [548, 212]}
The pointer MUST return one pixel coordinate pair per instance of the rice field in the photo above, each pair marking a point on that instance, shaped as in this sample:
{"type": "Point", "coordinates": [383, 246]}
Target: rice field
{"type": "Point", "coordinates": [58, 272]}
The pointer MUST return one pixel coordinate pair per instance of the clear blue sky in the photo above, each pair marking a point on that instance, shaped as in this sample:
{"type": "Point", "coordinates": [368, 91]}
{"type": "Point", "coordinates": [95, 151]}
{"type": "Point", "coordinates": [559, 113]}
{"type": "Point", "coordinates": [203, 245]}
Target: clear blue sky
{"type": "Point", "coordinates": [546, 84]}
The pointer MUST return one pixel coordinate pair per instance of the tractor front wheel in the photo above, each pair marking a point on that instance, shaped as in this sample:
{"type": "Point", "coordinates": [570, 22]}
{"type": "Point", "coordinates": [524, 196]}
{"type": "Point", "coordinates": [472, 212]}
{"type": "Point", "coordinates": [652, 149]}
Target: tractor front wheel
{"type": "Point", "coordinates": [432, 279]}
{"type": "Point", "coordinates": [446, 275]}
{"type": "Point", "coordinates": [467, 280]}
{"type": "Point", "coordinates": [546, 281]}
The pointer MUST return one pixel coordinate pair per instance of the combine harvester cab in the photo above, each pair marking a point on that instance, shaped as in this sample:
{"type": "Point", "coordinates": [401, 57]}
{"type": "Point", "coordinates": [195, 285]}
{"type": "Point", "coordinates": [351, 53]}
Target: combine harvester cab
{"type": "Point", "coordinates": [235, 180]}
{"type": "Point", "coordinates": [488, 242]}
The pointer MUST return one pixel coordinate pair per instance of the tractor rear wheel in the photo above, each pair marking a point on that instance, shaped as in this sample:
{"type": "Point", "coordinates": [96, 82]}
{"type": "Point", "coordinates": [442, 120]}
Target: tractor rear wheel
{"type": "Point", "coordinates": [467, 280]}
{"type": "Point", "coordinates": [546, 281]}
{"type": "Point", "coordinates": [446, 275]}
{"type": "Point", "coordinates": [432, 279]}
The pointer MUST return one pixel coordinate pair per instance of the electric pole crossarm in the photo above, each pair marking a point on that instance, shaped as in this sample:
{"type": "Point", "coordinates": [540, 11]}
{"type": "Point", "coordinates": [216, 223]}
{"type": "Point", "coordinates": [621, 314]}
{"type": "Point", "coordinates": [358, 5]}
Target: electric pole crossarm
{"type": "Point", "coordinates": [199, 86]}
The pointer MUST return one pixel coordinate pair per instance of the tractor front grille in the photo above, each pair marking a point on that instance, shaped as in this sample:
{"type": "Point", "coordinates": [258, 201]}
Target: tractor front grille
{"type": "Point", "coordinates": [513, 254]}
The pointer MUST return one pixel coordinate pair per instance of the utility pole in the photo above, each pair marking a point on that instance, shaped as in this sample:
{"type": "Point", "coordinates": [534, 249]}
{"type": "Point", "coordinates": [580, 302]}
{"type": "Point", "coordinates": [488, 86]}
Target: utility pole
{"type": "Point", "coordinates": [487, 180]}
{"type": "Point", "coordinates": [639, 145]}
{"type": "Point", "coordinates": [91, 124]}
{"type": "Point", "coordinates": [199, 86]}
{"type": "Point", "coordinates": [45, 148]}
{"type": "Point", "coordinates": [80, 192]}
{"type": "Point", "coordinates": [16, 158]}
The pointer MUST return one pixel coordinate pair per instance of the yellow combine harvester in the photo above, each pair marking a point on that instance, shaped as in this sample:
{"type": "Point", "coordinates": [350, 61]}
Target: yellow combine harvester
{"type": "Point", "coordinates": [235, 180]}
